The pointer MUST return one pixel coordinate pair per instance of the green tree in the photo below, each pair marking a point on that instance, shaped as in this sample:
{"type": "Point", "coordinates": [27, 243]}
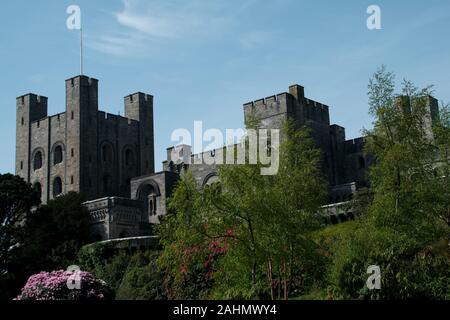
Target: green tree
{"type": "Point", "coordinates": [406, 216]}
{"type": "Point", "coordinates": [183, 236]}
{"type": "Point", "coordinates": [53, 234]}
{"type": "Point", "coordinates": [142, 280]}
{"type": "Point", "coordinates": [16, 200]}
{"type": "Point", "coordinates": [271, 217]}
{"type": "Point", "coordinates": [247, 236]}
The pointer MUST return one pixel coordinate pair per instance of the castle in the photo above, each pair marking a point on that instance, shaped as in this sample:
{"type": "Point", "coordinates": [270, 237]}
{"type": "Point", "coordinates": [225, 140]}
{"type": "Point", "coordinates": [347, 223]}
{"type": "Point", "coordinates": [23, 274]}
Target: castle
{"type": "Point", "coordinates": [110, 158]}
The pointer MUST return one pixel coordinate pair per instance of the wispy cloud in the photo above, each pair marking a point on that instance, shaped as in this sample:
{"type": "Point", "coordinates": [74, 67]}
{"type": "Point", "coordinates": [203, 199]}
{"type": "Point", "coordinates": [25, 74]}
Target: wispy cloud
{"type": "Point", "coordinates": [141, 24]}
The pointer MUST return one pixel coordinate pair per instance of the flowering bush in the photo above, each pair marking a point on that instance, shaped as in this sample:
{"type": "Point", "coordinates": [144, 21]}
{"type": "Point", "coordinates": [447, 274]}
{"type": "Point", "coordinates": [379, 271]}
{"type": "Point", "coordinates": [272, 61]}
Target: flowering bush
{"type": "Point", "coordinates": [54, 286]}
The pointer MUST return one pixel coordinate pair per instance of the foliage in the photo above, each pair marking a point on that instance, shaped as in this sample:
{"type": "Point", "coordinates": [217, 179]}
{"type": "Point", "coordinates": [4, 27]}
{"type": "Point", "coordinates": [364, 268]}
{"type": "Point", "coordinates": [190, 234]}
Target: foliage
{"type": "Point", "coordinates": [132, 276]}
{"type": "Point", "coordinates": [189, 253]}
{"type": "Point", "coordinates": [260, 223]}
{"type": "Point", "coordinates": [53, 286]}
{"type": "Point", "coordinates": [408, 211]}
{"type": "Point", "coordinates": [16, 200]}
{"type": "Point", "coordinates": [53, 234]}
{"type": "Point", "coordinates": [142, 279]}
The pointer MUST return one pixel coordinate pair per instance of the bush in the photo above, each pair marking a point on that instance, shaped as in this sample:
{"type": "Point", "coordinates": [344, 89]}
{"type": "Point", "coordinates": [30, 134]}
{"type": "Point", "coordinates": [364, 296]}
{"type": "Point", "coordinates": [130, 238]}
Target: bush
{"type": "Point", "coordinates": [53, 286]}
{"type": "Point", "coordinates": [142, 279]}
{"type": "Point", "coordinates": [131, 276]}
{"type": "Point", "coordinates": [407, 270]}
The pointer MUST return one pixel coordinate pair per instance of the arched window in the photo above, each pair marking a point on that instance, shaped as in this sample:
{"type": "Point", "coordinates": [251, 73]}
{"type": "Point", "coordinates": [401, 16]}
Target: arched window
{"type": "Point", "coordinates": [148, 194]}
{"type": "Point", "coordinates": [362, 163]}
{"type": "Point", "coordinates": [38, 190]}
{"type": "Point", "coordinates": [107, 153]}
{"type": "Point", "coordinates": [37, 161]}
{"type": "Point", "coordinates": [129, 158]}
{"type": "Point", "coordinates": [57, 155]}
{"type": "Point", "coordinates": [57, 187]}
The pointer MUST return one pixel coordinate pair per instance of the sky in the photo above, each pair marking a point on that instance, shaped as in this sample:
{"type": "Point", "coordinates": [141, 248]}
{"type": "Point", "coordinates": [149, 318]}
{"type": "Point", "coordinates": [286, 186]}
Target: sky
{"type": "Point", "coordinates": [203, 59]}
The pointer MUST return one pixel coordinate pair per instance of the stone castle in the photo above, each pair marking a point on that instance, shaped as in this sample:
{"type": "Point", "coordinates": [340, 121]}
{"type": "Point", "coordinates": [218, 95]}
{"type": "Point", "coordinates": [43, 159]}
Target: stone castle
{"type": "Point", "coordinates": [110, 158]}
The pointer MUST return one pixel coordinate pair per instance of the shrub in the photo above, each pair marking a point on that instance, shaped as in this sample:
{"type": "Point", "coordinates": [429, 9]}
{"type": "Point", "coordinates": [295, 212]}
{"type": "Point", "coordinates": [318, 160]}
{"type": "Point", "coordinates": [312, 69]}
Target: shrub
{"type": "Point", "coordinates": [142, 279]}
{"type": "Point", "coordinates": [53, 286]}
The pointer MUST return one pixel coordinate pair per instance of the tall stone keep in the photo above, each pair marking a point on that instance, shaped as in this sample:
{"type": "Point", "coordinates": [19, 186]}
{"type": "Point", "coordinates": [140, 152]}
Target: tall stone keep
{"type": "Point", "coordinates": [29, 108]}
{"type": "Point", "coordinates": [83, 149]}
{"type": "Point", "coordinates": [81, 137]}
{"type": "Point", "coordinates": [139, 107]}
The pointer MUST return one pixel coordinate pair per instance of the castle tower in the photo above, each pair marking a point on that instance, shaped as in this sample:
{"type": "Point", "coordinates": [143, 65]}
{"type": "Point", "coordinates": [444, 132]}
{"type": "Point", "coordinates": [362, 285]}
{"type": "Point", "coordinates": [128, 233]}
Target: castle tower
{"type": "Point", "coordinates": [81, 135]}
{"type": "Point", "coordinates": [30, 108]}
{"type": "Point", "coordinates": [139, 107]}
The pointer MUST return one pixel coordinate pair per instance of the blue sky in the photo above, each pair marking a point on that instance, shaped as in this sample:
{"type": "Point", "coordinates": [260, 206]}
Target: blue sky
{"type": "Point", "coordinates": [202, 59]}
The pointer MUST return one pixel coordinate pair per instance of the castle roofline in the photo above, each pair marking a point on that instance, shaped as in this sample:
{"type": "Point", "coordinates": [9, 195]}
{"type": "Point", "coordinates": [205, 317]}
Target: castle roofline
{"type": "Point", "coordinates": [32, 94]}
{"type": "Point", "coordinates": [139, 93]}
{"type": "Point", "coordinates": [82, 76]}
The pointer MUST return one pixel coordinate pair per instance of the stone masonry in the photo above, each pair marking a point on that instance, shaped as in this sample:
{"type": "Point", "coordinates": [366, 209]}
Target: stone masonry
{"type": "Point", "coordinates": [110, 158]}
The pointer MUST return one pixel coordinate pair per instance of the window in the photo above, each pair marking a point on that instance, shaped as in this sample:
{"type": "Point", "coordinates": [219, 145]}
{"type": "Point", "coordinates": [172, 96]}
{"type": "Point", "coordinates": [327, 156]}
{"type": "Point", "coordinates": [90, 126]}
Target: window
{"type": "Point", "coordinates": [37, 161]}
{"type": "Point", "coordinates": [23, 121]}
{"type": "Point", "coordinates": [72, 153]}
{"type": "Point", "coordinates": [57, 155]}
{"type": "Point", "coordinates": [72, 115]}
{"type": "Point", "coordinates": [71, 180]}
{"type": "Point", "coordinates": [37, 188]}
{"type": "Point", "coordinates": [57, 187]}
{"type": "Point", "coordinates": [21, 165]}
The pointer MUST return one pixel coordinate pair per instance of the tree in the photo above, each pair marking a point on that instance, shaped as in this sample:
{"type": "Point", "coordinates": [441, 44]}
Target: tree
{"type": "Point", "coordinates": [16, 200]}
{"type": "Point", "coordinates": [247, 236]}
{"type": "Point", "coordinates": [271, 217]}
{"type": "Point", "coordinates": [142, 280]}
{"type": "Point", "coordinates": [53, 234]}
{"type": "Point", "coordinates": [405, 221]}
{"type": "Point", "coordinates": [185, 259]}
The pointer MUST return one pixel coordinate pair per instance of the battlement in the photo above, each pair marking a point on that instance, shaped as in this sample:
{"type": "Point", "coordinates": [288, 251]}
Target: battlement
{"type": "Point", "coordinates": [315, 104]}
{"type": "Point", "coordinates": [267, 101]}
{"type": "Point", "coordinates": [82, 80]}
{"type": "Point", "coordinates": [138, 96]}
{"type": "Point", "coordinates": [116, 119]}
{"type": "Point", "coordinates": [354, 145]}
{"type": "Point", "coordinates": [30, 98]}
{"type": "Point", "coordinates": [293, 103]}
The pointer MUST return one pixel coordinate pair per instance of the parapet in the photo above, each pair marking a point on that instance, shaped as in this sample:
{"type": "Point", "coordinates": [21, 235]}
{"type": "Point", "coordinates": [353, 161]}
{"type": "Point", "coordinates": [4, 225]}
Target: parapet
{"type": "Point", "coordinates": [81, 80]}
{"type": "Point", "coordinates": [269, 106]}
{"type": "Point", "coordinates": [31, 98]}
{"type": "Point", "coordinates": [354, 145]}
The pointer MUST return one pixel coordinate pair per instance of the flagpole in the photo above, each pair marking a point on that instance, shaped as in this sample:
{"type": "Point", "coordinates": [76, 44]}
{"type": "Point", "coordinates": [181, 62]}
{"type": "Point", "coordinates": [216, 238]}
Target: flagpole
{"type": "Point", "coordinates": [81, 51]}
